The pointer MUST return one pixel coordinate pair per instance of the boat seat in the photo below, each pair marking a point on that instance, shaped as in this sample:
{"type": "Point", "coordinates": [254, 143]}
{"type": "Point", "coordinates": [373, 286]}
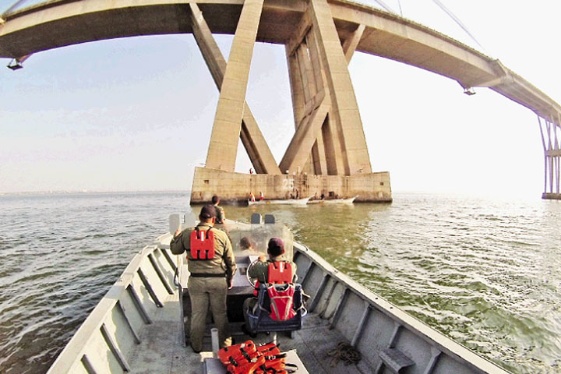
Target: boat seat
{"type": "Point", "coordinates": [395, 360]}
{"type": "Point", "coordinates": [256, 219]}
{"type": "Point", "coordinates": [269, 218]}
{"type": "Point", "coordinates": [260, 319]}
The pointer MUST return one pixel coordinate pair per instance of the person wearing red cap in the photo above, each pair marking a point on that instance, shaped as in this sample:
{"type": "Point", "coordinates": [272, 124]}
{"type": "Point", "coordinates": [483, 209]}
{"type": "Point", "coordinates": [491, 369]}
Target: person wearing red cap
{"type": "Point", "coordinates": [212, 265]}
{"type": "Point", "coordinates": [262, 268]}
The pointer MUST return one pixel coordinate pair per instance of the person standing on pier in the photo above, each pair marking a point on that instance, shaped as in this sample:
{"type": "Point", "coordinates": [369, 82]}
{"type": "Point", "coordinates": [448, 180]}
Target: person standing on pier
{"type": "Point", "coordinates": [220, 213]}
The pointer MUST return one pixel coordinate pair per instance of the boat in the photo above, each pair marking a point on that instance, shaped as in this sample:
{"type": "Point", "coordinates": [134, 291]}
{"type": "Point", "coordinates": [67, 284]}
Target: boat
{"type": "Point", "coordinates": [349, 200]}
{"type": "Point", "coordinates": [303, 201]}
{"type": "Point", "coordinates": [141, 324]}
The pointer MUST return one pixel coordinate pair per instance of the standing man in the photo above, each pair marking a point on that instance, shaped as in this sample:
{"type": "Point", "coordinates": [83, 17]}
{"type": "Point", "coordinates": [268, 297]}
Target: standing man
{"type": "Point", "coordinates": [212, 265]}
{"type": "Point", "coordinates": [220, 214]}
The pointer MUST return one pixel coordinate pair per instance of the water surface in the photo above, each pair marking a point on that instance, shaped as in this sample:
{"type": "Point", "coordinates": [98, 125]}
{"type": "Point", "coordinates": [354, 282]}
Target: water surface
{"type": "Point", "coordinates": [482, 271]}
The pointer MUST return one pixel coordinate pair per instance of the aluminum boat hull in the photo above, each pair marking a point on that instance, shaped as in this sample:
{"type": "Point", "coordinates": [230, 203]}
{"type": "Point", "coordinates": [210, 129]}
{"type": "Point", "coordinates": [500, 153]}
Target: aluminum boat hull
{"type": "Point", "coordinates": [140, 325]}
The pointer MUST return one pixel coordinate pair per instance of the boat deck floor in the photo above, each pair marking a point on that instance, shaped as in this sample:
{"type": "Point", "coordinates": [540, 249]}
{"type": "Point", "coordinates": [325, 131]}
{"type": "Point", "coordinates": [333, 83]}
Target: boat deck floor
{"type": "Point", "coordinates": [162, 351]}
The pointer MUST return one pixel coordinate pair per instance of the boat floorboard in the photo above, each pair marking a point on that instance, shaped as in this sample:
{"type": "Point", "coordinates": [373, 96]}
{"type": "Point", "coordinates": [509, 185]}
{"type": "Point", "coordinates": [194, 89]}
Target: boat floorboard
{"type": "Point", "coordinates": [162, 351]}
{"type": "Point", "coordinates": [314, 343]}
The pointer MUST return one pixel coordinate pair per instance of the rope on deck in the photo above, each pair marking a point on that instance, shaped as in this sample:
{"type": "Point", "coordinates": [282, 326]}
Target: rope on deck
{"type": "Point", "coordinates": [346, 353]}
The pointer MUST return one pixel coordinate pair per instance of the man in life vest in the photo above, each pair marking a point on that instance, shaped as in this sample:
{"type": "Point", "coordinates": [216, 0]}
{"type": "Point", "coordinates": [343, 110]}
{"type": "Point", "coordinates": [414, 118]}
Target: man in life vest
{"type": "Point", "coordinates": [274, 270]}
{"type": "Point", "coordinates": [212, 265]}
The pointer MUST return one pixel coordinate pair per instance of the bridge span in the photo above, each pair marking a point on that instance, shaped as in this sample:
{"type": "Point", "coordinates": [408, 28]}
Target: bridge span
{"type": "Point", "coordinates": [328, 152]}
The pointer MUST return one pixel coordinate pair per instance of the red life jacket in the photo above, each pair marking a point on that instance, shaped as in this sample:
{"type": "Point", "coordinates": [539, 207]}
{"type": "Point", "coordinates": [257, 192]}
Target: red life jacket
{"type": "Point", "coordinates": [248, 358]}
{"type": "Point", "coordinates": [278, 272]}
{"type": "Point", "coordinates": [281, 298]}
{"type": "Point", "coordinates": [235, 353]}
{"type": "Point", "coordinates": [202, 244]}
{"type": "Point", "coordinates": [282, 301]}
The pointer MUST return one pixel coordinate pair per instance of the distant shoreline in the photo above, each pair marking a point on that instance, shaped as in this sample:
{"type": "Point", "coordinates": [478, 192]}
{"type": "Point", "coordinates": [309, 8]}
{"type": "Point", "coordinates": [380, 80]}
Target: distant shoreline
{"type": "Point", "coordinates": [87, 192]}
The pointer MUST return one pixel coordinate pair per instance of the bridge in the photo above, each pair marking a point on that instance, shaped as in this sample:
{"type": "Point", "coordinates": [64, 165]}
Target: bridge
{"type": "Point", "coordinates": [328, 152]}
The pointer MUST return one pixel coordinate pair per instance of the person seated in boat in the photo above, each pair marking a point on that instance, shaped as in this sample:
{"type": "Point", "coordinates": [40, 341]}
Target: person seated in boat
{"type": "Point", "coordinates": [247, 247]}
{"type": "Point", "coordinates": [270, 270]}
{"type": "Point", "coordinates": [251, 197]}
{"type": "Point", "coordinates": [261, 196]}
{"type": "Point", "coordinates": [220, 213]}
{"type": "Point", "coordinates": [211, 262]}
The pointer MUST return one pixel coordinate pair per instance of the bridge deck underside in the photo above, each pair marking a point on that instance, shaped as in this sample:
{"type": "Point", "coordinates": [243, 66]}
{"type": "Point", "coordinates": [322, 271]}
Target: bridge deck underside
{"type": "Point", "coordinates": [51, 26]}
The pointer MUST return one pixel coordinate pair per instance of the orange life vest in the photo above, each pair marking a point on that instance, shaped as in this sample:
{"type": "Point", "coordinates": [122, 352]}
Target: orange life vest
{"type": "Point", "coordinates": [202, 244]}
{"type": "Point", "coordinates": [249, 358]}
{"type": "Point", "coordinates": [278, 272]}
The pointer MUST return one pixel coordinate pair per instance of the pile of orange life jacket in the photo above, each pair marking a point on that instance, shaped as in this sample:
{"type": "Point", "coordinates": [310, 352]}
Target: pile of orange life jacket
{"type": "Point", "coordinates": [250, 358]}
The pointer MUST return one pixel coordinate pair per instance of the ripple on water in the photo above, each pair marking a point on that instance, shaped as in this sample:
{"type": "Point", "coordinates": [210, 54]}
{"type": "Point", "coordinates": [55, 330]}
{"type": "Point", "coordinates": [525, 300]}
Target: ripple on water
{"type": "Point", "coordinates": [482, 272]}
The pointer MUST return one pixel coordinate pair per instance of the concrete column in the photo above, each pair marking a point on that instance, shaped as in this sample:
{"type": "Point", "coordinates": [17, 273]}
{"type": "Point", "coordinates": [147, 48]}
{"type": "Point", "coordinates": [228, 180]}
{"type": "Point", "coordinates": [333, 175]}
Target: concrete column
{"type": "Point", "coordinates": [296, 86]}
{"type": "Point", "coordinates": [207, 45]}
{"type": "Point", "coordinates": [226, 130]}
{"type": "Point", "coordinates": [251, 136]}
{"type": "Point", "coordinates": [300, 147]}
{"type": "Point", "coordinates": [333, 155]}
{"type": "Point", "coordinates": [354, 151]}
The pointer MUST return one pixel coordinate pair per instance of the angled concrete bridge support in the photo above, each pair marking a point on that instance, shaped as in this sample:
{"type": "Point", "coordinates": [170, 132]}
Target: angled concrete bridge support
{"type": "Point", "coordinates": [250, 134]}
{"type": "Point", "coordinates": [231, 103]}
{"type": "Point", "coordinates": [329, 139]}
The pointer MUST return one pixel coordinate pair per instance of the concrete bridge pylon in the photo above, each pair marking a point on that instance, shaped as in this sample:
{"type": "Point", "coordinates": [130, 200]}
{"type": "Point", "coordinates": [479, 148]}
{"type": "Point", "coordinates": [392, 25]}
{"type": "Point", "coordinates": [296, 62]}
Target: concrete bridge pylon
{"type": "Point", "coordinates": [328, 153]}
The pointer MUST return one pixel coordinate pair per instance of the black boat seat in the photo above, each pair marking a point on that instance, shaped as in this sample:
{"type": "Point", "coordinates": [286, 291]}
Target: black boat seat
{"type": "Point", "coordinates": [256, 219]}
{"type": "Point", "coordinates": [260, 319]}
{"type": "Point", "coordinates": [269, 219]}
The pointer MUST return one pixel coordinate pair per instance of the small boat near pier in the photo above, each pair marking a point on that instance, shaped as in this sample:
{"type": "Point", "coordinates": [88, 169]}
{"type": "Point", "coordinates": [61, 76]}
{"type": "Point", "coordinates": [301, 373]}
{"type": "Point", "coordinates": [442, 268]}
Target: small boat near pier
{"type": "Point", "coordinates": [302, 201]}
{"type": "Point", "coordinates": [349, 200]}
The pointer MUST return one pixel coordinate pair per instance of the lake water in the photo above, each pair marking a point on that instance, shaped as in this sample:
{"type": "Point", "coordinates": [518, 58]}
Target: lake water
{"type": "Point", "coordinates": [483, 271]}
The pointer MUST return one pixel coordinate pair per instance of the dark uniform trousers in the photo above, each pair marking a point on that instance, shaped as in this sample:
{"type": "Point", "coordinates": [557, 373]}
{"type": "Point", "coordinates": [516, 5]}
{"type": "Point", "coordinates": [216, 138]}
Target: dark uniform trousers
{"type": "Point", "coordinates": [204, 293]}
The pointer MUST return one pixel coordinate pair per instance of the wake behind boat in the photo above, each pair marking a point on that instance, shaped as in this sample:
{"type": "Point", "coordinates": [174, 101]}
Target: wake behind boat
{"type": "Point", "coordinates": [142, 324]}
{"type": "Point", "coordinates": [303, 201]}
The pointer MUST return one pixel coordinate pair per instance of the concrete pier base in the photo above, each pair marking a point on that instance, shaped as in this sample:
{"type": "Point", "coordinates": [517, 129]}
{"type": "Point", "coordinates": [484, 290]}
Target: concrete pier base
{"type": "Point", "coordinates": [234, 188]}
{"type": "Point", "coordinates": [551, 196]}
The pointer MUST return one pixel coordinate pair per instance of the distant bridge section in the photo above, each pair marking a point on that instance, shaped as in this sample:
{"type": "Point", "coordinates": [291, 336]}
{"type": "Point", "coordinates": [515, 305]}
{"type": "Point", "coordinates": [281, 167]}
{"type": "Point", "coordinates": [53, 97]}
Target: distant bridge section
{"type": "Point", "coordinates": [320, 38]}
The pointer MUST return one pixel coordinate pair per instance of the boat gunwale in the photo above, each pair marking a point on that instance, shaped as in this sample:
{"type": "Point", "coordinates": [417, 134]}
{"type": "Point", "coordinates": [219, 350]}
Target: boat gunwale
{"type": "Point", "coordinates": [76, 347]}
{"type": "Point", "coordinates": [430, 335]}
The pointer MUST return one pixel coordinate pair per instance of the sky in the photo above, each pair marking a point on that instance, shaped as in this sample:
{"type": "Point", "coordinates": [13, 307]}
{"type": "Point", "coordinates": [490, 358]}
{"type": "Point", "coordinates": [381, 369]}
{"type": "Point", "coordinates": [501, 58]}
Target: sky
{"type": "Point", "coordinates": [136, 114]}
